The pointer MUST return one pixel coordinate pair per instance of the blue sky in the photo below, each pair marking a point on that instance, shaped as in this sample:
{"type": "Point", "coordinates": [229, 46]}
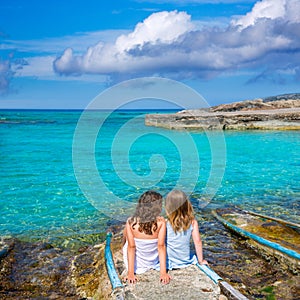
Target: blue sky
{"type": "Point", "coordinates": [62, 54]}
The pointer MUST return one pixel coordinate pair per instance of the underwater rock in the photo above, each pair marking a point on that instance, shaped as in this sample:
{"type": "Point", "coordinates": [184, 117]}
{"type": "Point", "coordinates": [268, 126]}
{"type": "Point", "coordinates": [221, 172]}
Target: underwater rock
{"type": "Point", "coordinates": [35, 270]}
{"type": "Point", "coordinates": [32, 270]}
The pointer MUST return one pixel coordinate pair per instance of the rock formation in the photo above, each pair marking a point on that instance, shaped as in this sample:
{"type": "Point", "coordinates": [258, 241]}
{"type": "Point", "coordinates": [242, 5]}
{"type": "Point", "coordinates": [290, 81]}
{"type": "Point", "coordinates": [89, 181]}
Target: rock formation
{"type": "Point", "coordinates": [273, 113]}
{"type": "Point", "coordinates": [43, 270]}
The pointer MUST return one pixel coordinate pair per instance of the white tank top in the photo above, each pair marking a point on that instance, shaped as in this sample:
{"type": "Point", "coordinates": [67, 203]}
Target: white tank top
{"type": "Point", "coordinates": [146, 255]}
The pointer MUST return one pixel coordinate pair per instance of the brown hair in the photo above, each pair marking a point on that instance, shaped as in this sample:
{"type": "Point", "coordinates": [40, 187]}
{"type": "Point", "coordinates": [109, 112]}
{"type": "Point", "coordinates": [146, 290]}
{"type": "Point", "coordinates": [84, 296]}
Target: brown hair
{"type": "Point", "coordinates": [147, 210]}
{"type": "Point", "coordinates": [179, 210]}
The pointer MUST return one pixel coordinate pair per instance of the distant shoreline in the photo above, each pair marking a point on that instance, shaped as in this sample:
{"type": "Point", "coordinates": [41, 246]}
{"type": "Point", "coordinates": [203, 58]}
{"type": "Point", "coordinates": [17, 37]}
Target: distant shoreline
{"type": "Point", "coordinates": [283, 114]}
{"type": "Point", "coordinates": [83, 109]}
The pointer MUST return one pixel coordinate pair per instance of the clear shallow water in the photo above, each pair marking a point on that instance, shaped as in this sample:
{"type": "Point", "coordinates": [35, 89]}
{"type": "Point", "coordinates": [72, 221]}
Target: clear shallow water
{"type": "Point", "coordinates": [40, 196]}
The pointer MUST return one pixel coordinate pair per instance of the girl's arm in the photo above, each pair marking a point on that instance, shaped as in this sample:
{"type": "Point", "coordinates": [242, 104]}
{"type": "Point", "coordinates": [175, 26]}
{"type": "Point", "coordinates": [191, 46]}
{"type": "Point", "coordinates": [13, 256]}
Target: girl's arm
{"type": "Point", "coordinates": [130, 254]}
{"type": "Point", "coordinates": [162, 253]}
{"type": "Point", "coordinates": [198, 243]}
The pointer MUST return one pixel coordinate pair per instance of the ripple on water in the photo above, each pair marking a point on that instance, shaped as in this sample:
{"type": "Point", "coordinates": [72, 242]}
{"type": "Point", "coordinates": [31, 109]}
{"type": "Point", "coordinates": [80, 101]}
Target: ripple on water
{"type": "Point", "coordinates": [40, 195]}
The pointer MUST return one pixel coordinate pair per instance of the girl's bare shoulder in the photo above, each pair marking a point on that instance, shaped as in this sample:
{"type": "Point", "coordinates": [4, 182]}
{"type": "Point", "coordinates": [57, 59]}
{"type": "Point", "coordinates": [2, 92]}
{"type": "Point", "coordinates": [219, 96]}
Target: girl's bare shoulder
{"type": "Point", "coordinates": [194, 222]}
{"type": "Point", "coordinates": [131, 223]}
{"type": "Point", "coordinates": [161, 222]}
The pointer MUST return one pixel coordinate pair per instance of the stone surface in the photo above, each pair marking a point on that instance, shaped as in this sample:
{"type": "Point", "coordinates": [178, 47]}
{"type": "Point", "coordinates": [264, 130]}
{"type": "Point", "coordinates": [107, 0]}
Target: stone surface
{"type": "Point", "coordinates": [246, 115]}
{"type": "Point", "coordinates": [259, 104]}
{"type": "Point", "coordinates": [39, 270]}
{"type": "Point", "coordinates": [31, 270]}
{"type": "Point", "coordinates": [187, 283]}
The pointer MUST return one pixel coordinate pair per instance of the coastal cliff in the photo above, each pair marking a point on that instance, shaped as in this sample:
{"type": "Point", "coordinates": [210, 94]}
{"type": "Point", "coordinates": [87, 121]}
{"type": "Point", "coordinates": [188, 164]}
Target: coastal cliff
{"type": "Point", "coordinates": [272, 113]}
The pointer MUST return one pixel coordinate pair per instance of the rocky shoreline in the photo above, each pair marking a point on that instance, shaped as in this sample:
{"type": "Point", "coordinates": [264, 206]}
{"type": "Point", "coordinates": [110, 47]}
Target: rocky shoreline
{"type": "Point", "coordinates": [40, 270]}
{"type": "Point", "coordinates": [260, 114]}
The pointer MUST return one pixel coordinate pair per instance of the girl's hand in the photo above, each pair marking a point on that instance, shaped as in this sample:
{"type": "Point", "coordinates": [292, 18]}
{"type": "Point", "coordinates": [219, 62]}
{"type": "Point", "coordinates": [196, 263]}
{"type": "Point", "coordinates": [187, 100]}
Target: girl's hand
{"type": "Point", "coordinates": [203, 262]}
{"type": "Point", "coordinates": [130, 279]}
{"type": "Point", "coordinates": [165, 278]}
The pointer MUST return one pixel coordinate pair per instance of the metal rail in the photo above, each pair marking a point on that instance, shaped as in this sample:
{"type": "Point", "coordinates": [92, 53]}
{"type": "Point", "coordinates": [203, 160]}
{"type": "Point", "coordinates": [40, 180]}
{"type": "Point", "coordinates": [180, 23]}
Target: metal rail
{"type": "Point", "coordinates": [117, 286]}
{"type": "Point", "coordinates": [225, 287]}
{"type": "Point", "coordinates": [257, 238]}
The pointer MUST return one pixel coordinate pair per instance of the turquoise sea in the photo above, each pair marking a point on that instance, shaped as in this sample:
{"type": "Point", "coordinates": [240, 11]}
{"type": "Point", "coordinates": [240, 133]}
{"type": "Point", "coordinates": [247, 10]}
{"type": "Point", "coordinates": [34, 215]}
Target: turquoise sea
{"type": "Point", "coordinates": [40, 196]}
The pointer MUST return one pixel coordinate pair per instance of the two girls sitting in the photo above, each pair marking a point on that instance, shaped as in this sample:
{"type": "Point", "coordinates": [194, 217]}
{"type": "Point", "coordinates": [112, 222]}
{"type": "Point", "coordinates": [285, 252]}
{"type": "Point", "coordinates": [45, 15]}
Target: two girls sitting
{"type": "Point", "coordinates": [152, 243]}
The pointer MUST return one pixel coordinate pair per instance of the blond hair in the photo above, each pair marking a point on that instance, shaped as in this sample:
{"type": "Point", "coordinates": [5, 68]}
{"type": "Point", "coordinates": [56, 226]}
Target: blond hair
{"type": "Point", "coordinates": [179, 210]}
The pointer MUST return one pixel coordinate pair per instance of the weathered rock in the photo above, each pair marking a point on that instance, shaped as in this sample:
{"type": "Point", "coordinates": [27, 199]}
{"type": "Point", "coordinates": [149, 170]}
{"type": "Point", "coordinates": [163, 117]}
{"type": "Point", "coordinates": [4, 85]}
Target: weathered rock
{"type": "Point", "coordinates": [35, 270]}
{"type": "Point", "coordinates": [44, 271]}
{"type": "Point", "coordinates": [40, 270]}
{"type": "Point", "coordinates": [89, 271]}
{"type": "Point", "coordinates": [258, 104]}
{"type": "Point", "coordinates": [187, 283]}
{"type": "Point", "coordinates": [89, 275]}
{"type": "Point", "coordinates": [245, 115]}
{"type": "Point", "coordinates": [6, 244]}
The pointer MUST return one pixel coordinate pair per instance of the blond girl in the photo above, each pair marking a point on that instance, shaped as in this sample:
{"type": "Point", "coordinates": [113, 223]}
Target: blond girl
{"type": "Point", "coordinates": [181, 226]}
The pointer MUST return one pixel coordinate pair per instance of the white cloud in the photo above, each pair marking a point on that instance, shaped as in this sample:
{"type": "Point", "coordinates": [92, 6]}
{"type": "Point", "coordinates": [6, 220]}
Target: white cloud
{"type": "Point", "coordinates": [292, 11]}
{"type": "Point", "coordinates": [38, 65]}
{"type": "Point", "coordinates": [5, 74]}
{"type": "Point", "coordinates": [41, 67]}
{"type": "Point", "coordinates": [161, 27]}
{"type": "Point", "coordinates": [270, 9]}
{"type": "Point", "coordinates": [8, 66]}
{"type": "Point", "coordinates": [158, 28]}
{"type": "Point", "coordinates": [169, 43]}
